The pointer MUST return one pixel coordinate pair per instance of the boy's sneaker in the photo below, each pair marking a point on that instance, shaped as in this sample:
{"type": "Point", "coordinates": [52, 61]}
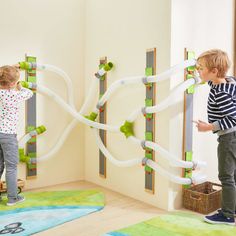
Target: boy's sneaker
{"type": "Point", "coordinates": [13, 201]}
{"type": "Point", "coordinates": [219, 218]}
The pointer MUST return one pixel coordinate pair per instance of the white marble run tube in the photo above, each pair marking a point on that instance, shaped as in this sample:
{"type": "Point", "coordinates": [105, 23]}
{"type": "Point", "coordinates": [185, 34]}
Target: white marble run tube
{"type": "Point", "coordinates": [170, 100]}
{"type": "Point", "coordinates": [196, 179]}
{"type": "Point", "coordinates": [70, 90]}
{"type": "Point", "coordinates": [143, 79]}
{"type": "Point", "coordinates": [173, 160]}
{"type": "Point", "coordinates": [73, 112]}
{"type": "Point", "coordinates": [113, 160]}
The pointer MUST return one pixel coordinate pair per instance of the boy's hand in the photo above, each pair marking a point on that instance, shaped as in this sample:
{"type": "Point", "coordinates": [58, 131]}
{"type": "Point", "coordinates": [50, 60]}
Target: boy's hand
{"type": "Point", "coordinates": [203, 126]}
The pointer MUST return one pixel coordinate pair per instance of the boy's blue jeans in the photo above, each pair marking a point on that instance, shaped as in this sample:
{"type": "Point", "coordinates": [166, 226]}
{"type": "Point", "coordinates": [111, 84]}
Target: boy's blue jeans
{"type": "Point", "coordinates": [9, 157]}
{"type": "Point", "coordinates": [227, 172]}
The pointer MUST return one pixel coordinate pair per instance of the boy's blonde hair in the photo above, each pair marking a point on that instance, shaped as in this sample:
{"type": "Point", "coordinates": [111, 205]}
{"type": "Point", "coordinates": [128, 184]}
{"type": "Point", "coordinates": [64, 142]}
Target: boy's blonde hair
{"type": "Point", "coordinates": [218, 59]}
{"type": "Point", "coordinates": [8, 75]}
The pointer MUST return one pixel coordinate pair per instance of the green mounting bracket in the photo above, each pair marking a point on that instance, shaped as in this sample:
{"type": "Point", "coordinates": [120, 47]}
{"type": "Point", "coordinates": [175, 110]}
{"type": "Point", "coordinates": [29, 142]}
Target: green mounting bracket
{"type": "Point", "coordinates": [148, 136]}
{"type": "Point", "coordinates": [190, 55]}
{"type": "Point", "coordinates": [190, 70]}
{"type": "Point", "coordinates": [188, 171]}
{"type": "Point", "coordinates": [191, 88]}
{"type": "Point", "coordinates": [148, 72]}
{"type": "Point", "coordinates": [149, 152]}
{"type": "Point", "coordinates": [148, 103]}
{"type": "Point", "coordinates": [127, 129]}
{"type": "Point", "coordinates": [33, 139]}
{"type": "Point", "coordinates": [23, 157]}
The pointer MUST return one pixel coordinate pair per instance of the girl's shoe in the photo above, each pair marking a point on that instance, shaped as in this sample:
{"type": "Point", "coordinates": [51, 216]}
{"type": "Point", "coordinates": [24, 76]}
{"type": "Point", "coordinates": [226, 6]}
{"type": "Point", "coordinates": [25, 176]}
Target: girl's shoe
{"type": "Point", "coordinates": [14, 201]}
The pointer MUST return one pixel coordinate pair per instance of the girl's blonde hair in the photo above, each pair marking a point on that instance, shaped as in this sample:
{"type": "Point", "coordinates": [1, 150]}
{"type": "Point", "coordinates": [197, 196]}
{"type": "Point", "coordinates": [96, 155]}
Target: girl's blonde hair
{"type": "Point", "coordinates": [8, 75]}
{"type": "Point", "coordinates": [218, 59]}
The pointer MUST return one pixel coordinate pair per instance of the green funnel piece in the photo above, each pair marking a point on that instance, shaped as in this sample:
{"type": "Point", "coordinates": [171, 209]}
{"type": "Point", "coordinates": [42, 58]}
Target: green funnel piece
{"type": "Point", "coordinates": [108, 66]}
{"type": "Point", "coordinates": [24, 65]}
{"type": "Point", "coordinates": [40, 129]}
{"type": "Point", "coordinates": [92, 116]}
{"type": "Point", "coordinates": [127, 129]}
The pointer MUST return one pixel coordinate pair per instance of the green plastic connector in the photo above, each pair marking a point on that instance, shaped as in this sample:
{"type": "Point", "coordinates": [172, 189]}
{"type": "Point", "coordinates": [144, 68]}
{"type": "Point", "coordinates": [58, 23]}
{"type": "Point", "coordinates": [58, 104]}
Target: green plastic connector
{"type": "Point", "coordinates": [92, 116]}
{"type": "Point", "coordinates": [190, 90]}
{"type": "Point", "coordinates": [108, 66]}
{"type": "Point", "coordinates": [40, 129]}
{"type": "Point", "coordinates": [127, 129]}
{"type": "Point", "coordinates": [22, 156]}
{"type": "Point", "coordinates": [148, 102]}
{"type": "Point", "coordinates": [148, 136]}
{"type": "Point", "coordinates": [148, 71]}
{"type": "Point", "coordinates": [24, 84]}
{"type": "Point", "coordinates": [24, 65]}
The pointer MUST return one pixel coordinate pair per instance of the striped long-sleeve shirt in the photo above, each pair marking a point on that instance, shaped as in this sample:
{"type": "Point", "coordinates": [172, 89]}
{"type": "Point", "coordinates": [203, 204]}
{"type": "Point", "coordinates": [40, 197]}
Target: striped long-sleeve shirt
{"type": "Point", "coordinates": [221, 107]}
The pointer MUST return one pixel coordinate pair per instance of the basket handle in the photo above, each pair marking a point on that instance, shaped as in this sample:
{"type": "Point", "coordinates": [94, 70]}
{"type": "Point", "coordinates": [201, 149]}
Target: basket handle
{"type": "Point", "coordinates": [195, 197]}
{"type": "Point", "coordinates": [220, 185]}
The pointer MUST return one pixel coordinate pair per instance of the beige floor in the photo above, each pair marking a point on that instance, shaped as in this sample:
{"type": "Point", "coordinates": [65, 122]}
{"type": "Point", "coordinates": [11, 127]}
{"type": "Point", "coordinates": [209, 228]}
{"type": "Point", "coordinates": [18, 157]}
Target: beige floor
{"type": "Point", "coordinates": [120, 211]}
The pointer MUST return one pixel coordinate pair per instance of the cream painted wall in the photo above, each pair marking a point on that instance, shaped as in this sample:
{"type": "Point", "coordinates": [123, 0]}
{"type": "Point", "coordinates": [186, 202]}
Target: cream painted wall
{"type": "Point", "coordinates": [122, 31]}
{"type": "Point", "coordinates": [53, 31]}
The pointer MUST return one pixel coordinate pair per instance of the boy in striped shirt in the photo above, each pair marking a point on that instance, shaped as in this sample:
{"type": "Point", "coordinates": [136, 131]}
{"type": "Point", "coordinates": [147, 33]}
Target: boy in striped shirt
{"type": "Point", "coordinates": [221, 109]}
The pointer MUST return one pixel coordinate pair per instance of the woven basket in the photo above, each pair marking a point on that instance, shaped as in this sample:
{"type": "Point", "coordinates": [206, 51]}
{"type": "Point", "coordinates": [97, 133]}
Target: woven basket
{"type": "Point", "coordinates": [202, 198]}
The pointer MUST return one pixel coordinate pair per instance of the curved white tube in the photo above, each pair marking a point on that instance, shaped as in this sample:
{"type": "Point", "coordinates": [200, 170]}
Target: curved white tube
{"type": "Point", "coordinates": [24, 140]}
{"type": "Point", "coordinates": [70, 90]}
{"type": "Point", "coordinates": [172, 159]}
{"type": "Point", "coordinates": [135, 140]}
{"type": "Point", "coordinates": [138, 79]}
{"type": "Point", "coordinates": [171, 71]}
{"type": "Point", "coordinates": [196, 179]}
{"type": "Point", "coordinates": [133, 116]}
{"type": "Point", "coordinates": [113, 160]}
{"type": "Point", "coordinates": [179, 180]}
{"type": "Point", "coordinates": [90, 95]}
{"type": "Point", "coordinates": [170, 99]}
{"type": "Point", "coordinates": [165, 103]}
{"type": "Point", "coordinates": [72, 125]}
{"type": "Point", "coordinates": [73, 112]}
{"type": "Point", "coordinates": [114, 86]}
